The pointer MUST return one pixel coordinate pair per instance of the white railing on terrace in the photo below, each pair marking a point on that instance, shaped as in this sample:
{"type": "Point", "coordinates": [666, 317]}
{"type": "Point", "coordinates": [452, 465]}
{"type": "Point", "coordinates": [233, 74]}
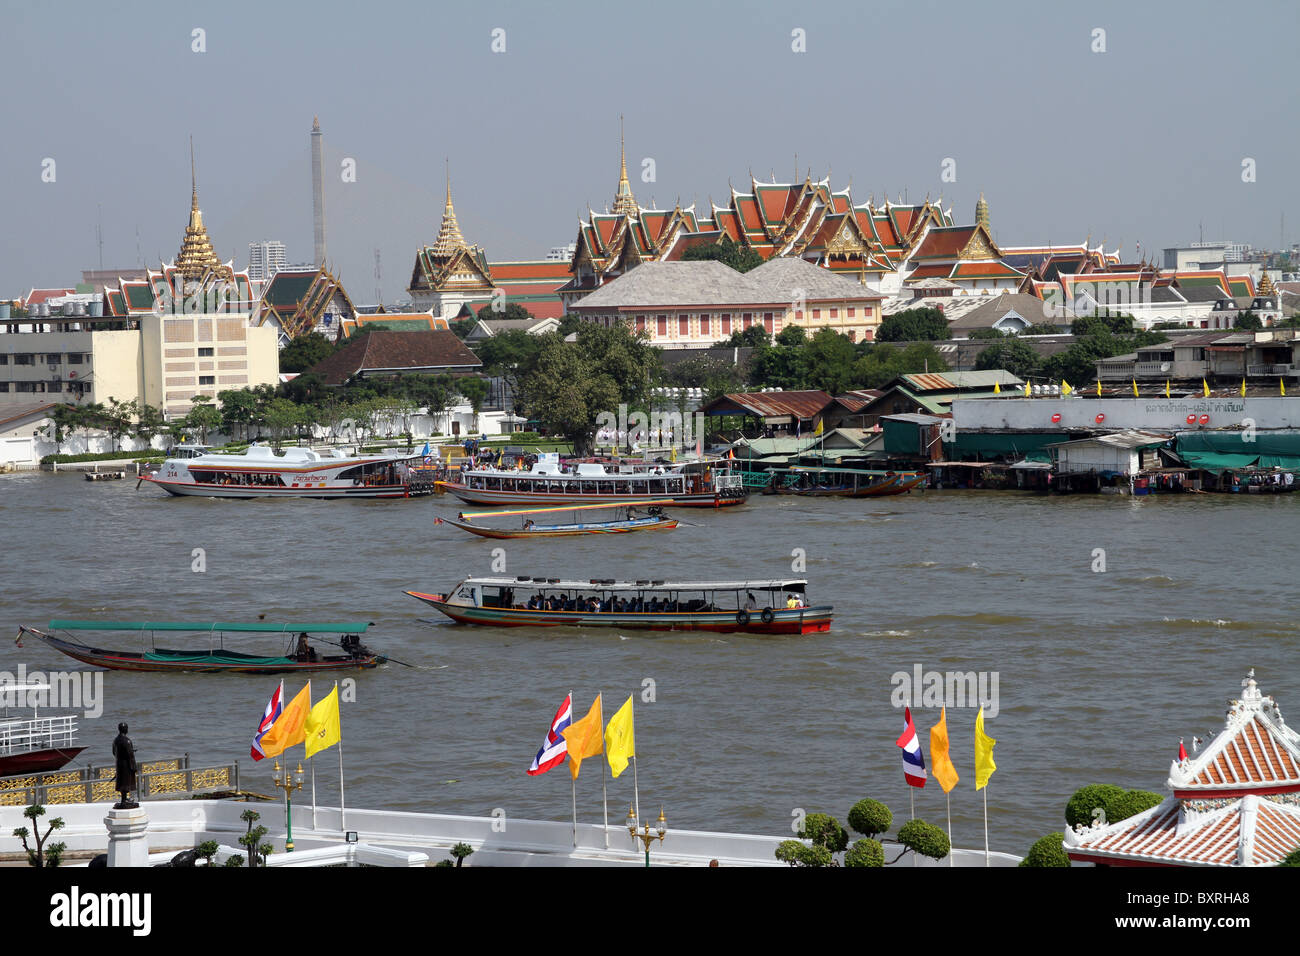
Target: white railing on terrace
{"type": "Point", "coordinates": [20, 735]}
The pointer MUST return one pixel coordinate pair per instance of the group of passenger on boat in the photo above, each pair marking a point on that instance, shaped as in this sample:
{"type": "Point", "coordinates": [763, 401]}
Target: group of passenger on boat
{"type": "Point", "coordinates": [243, 478]}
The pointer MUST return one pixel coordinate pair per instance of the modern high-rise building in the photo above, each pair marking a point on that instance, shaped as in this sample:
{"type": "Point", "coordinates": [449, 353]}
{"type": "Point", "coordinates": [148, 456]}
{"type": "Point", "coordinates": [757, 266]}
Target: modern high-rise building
{"type": "Point", "coordinates": [265, 259]}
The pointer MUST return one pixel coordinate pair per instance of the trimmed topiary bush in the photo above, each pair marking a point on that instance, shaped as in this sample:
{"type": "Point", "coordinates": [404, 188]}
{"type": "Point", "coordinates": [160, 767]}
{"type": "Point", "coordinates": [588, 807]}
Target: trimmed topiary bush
{"type": "Point", "coordinates": [1131, 803]}
{"type": "Point", "coordinates": [925, 839]}
{"type": "Point", "coordinates": [865, 853]}
{"type": "Point", "coordinates": [1079, 810]}
{"type": "Point", "coordinates": [1292, 858]}
{"type": "Point", "coordinates": [795, 853]}
{"type": "Point", "coordinates": [825, 831]}
{"type": "Point", "coordinates": [870, 817]}
{"type": "Point", "coordinates": [1047, 851]}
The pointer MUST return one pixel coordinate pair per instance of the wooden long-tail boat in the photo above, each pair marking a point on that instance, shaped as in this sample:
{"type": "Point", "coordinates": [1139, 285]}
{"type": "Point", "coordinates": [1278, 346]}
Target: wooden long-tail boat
{"type": "Point", "coordinates": [719, 606]}
{"type": "Point", "coordinates": [841, 482]}
{"type": "Point", "coordinates": [643, 516]}
{"type": "Point", "coordinates": [214, 656]}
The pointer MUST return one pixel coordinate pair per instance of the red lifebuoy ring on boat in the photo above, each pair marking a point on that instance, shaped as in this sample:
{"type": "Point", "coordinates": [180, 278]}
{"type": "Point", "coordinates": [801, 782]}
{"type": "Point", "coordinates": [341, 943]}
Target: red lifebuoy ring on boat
{"type": "Point", "coordinates": [1101, 417]}
{"type": "Point", "coordinates": [1205, 419]}
{"type": "Point", "coordinates": [1191, 419]}
{"type": "Point", "coordinates": [1056, 418]}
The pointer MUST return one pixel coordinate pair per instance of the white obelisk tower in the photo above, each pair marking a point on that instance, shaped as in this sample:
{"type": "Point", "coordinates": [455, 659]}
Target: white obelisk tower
{"type": "Point", "coordinates": [317, 192]}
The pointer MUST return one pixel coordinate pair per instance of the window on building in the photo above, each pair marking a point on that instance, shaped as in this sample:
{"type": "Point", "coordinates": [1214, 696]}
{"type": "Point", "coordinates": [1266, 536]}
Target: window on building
{"type": "Point", "coordinates": [640, 323]}
{"type": "Point", "coordinates": [663, 326]}
{"type": "Point", "coordinates": [683, 326]}
{"type": "Point", "coordinates": [726, 323]}
{"type": "Point", "coordinates": [835, 313]}
{"type": "Point", "coordinates": [747, 320]}
{"type": "Point", "coordinates": [768, 322]}
{"type": "Point", "coordinates": [852, 312]}
{"type": "Point", "coordinates": [4, 386]}
{"type": "Point", "coordinates": [817, 313]}
{"type": "Point", "coordinates": [74, 358]}
{"type": "Point", "coordinates": [54, 387]}
{"type": "Point", "coordinates": [207, 353]}
{"type": "Point", "coordinates": [4, 359]}
{"type": "Point", "coordinates": [207, 380]}
{"type": "Point", "coordinates": [24, 358]}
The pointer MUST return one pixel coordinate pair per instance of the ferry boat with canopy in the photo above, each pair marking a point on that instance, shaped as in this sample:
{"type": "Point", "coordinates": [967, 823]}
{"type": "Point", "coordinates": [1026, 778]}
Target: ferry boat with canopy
{"type": "Point", "coordinates": [841, 482]}
{"type": "Point", "coordinates": [752, 607]}
{"type": "Point", "coordinates": [261, 472]}
{"type": "Point", "coordinates": [595, 519]}
{"type": "Point", "coordinates": [212, 654]}
{"type": "Point", "coordinates": [700, 484]}
{"type": "Point", "coordinates": [36, 743]}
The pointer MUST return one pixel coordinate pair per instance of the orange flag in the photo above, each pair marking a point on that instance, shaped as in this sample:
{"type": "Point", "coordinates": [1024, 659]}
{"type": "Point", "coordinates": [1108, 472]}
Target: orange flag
{"type": "Point", "coordinates": [585, 737]}
{"type": "Point", "coordinates": [940, 763]}
{"type": "Point", "coordinates": [288, 729]}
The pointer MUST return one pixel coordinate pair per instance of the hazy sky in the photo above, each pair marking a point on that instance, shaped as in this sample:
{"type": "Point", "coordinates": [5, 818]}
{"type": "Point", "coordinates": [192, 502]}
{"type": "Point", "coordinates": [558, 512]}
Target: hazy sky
{"type": "Point", "coordinates": [1141, 143]}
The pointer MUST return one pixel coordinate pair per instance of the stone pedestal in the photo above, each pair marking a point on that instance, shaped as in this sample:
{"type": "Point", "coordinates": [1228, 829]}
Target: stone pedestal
{"type": "Point", "coordinates": [128, 840]}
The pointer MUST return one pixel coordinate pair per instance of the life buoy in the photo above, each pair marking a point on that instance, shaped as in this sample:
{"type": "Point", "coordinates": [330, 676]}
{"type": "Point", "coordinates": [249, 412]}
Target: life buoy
{"type": "Point", "coordinates": [1100, 418]}
{"type": "Point", "coordinates": [767, 615]}
{"type": "Point", "coordinates": [742, 617]}
{"type": "Point", "coordinates": [1191, 419]}
{"type": "Point", "coordinates": [1056, 418]}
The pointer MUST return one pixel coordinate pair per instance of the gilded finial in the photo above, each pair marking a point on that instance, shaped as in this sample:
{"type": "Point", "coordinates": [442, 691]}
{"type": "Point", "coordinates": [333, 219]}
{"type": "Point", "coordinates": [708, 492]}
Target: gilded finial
{"type": "Point", "coordinates": [624, 201]}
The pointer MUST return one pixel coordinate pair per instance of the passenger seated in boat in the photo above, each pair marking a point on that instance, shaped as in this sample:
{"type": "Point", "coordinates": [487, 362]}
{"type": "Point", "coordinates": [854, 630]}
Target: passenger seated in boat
{"type": "Point", "coordinates": [304, 653]}
{"type": "Point", "coordinates": [532, 603]}
{"type": "Point", "coordinates": [750, 603]}
{"type": "Point", "coordinates": [528, 523]}
{"type": "Point", "coordinates": [790, 601]}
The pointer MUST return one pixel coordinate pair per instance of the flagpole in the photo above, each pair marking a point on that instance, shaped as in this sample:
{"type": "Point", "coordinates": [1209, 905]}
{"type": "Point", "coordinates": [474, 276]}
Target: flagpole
{"type": "Point", "coordinates": [986, 826]}
{"type": "Point", "coordinates": [911, 793]}
{"type": "Point", "coordinates": [313, 793]}
{"type": "Point", "coordinates": [948, 797]}
{"type": "Point", "coordinates": [636, 789]}
{"type": "Point", "coordinates": [573, 781]}
{"type": "Point", "coordinates": [343, 807]}
{"type": "Point", "coordinates": [604, 792]}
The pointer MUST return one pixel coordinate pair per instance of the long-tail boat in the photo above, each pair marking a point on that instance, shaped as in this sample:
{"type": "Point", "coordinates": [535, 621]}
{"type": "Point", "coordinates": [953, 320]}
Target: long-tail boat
{"type": "Point", "coordinates": [214, 655]}
{"type": "Point", "coordinates": [754, 607]}
{"type": "Point", "coordinates": [841, 482]}
{"type": "Point", "coordinates": [643, 516]}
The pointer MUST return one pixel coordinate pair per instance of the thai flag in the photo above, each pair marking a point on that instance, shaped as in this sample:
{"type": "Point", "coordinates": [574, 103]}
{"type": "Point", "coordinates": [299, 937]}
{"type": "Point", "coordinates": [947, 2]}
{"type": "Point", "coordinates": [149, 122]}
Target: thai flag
{"type": "Point", "coordinates": [554, 748]}
{"type": "Point", "coordinates": [272, 713]}
{"type": "Point", "coordinates": [913, 759]}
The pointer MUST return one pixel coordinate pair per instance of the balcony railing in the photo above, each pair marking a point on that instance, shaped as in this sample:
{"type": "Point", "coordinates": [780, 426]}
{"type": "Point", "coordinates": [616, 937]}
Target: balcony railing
{"type": "Point", "coordinates": [1253, 370]}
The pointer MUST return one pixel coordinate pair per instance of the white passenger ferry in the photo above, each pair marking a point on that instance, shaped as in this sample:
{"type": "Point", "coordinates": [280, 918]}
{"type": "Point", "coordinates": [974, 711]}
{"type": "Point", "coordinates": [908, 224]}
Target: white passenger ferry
{"type": "Point", "coordinates": [261, 472]}
{"type": "Point", "coordinates": [702, 484]}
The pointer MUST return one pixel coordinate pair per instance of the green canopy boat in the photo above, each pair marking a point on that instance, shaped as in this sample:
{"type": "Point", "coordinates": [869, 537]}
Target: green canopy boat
{"type": "Point", "coordinates": [209, 651]}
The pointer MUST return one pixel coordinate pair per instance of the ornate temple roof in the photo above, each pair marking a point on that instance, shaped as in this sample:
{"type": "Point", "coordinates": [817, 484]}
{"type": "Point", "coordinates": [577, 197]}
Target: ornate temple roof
{"type": "Point", "coordinates": [1234, 804]}
{"type": "Point", "coordinates": [449, 239]}
{"type": "Point", "coordinates": [624, 201]}
{"type": "Point", "coordinates": [197, 258]}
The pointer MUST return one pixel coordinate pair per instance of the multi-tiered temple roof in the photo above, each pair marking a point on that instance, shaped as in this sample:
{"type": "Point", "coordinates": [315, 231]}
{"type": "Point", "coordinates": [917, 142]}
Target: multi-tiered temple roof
{"type": "Point", "coordinates": [1237, 803]}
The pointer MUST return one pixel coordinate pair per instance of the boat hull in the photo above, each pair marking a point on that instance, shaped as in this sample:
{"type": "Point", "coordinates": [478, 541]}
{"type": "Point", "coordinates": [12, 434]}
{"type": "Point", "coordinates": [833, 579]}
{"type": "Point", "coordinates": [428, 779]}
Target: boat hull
{"type": "Point", "coordinates": [485, 496]}
{"type": "Point", "coordinates": [201, 662]}
{"type": "Point", "coordinates": [201, 490]}
{"type": "Point", "coordinates": [805, 620]}
{"type": "Point", "coordinates": [35, 761]}
{"type": "Point", "coordinates": [501, 533]}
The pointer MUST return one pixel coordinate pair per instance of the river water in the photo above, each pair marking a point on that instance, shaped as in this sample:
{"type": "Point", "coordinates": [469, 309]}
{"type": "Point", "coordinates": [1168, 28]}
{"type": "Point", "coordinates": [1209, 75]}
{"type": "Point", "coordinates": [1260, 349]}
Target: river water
{"type": "Point", "coordinates": [1099, 672]}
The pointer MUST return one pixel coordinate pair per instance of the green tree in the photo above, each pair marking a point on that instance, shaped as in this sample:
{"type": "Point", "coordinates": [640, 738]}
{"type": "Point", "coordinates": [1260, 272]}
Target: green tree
{"type": "Point", "coordinates": [239, 407]}
{"type": "Point", "coordinates": [509, 310]}
{"type": "Point", "coordinates": [305, 352]}
{"type": "Point", "coordinates": [924, 839]}
{"type": "Point", "coordinates": [728, 252]}
{"type": "Point", "coordinates": [460, 851]}
{"type": "Point", "coordinates": [1247, 320]}
{"type": "Point", "coordinates": [252, 840]}
{"type": "Point", "coordinates": [866, 852]}
{"type": "Point", "coordinates": [64, 422]}
{"type": "Point", "coordinates": [119, 419]}
{"type": "Point", "coordinates": [914, 325]}
{"type": "Point", "coordinates": [510, 356]}
{"type": "Point", "coordinates": [883, 363]}
{"type": "Point", "coordinates": [150, 421]}
{"type": "Point", "coordinates": [282, 417]}
{"type": "Point", "coordinates": [1292, 858]}
{"type": "Point", "coordinates": [1013, 355]}
{"type": "Point", "coordinates": [202, 417]}
{"type": "Point", "coordinates": [870, 817]}
{"type": "Point", "coordinates": [42, 855]}
{"type": "Point", "coordinates": [754, 337]}
{"type": "Point", "coordinates": [829, 358]}
{"type": "Point", "coordinates": [824, 830]}
{"type": "Point", "coordinates": [474, 390]}
{"type": "Point", "coordinates": [989, 334]}
{"type": "Point", "coordinates": [1047, 851]}
{"type": "Point", "coordinates": [462, 327]}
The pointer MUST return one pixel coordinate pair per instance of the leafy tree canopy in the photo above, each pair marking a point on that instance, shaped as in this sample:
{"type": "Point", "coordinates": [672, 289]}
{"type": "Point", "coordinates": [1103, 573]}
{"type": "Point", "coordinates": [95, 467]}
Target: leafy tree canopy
{"type": "Point", "coordinates": [914, 325]}
{"type": "Point", "coordinates": [305, 352]}
{"type": "Point", "coordinates": [728, 252]}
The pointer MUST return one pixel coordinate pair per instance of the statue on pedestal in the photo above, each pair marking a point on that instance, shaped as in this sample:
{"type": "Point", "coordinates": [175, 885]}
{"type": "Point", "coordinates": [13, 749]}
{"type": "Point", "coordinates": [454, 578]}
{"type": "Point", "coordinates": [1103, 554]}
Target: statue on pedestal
{"type": "Point", "coordinates": [125, 780]}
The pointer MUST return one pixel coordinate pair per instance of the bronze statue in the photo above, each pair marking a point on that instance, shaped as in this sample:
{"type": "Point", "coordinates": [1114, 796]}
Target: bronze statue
{"type": "Point", "coordinates": [125, 782]}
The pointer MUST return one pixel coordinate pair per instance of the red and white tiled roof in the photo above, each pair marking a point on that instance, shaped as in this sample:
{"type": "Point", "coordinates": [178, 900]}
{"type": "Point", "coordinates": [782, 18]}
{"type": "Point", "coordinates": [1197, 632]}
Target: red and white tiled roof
{"type": "Point", "coordinates": [1256, 752]}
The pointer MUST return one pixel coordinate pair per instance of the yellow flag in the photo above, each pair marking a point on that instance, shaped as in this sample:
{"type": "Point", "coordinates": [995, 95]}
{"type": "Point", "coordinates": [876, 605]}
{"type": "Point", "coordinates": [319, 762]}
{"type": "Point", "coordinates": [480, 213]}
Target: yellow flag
{"type": "Point", "coordinates": [1281, 385]}
{"type": "Point", "coordinates": [1135, 389]}
{"type": "Point", "coordinates": [818, 430]}
{"type": "Point", "coordinates": [1065, 387]}
{"type": "Point", "coordinates": [1166, 388]}
{"type": "Point", "coordinates": [322, 727]}
{"type": "Point", "coordinates": [288, 727]}
{"type": "Point", "coordinates": [1027, 390]}
{"type": "Point", "coordinates": [997, 389]}
{"type": "Point", "coordinates": [984, 765]}
{"type": "Point", "coordinates": [620, 741]}
{"type": "Point", "coordinates": [1205, 389]}
{"type": "Point", "coordinates": [583, 737]}
{"type": "Point", "coordinates": [1099, 388]}
{"type": "Point", "coordinates": [1243, 388]}
{"type": "Point", "coordinates": [940, 763]}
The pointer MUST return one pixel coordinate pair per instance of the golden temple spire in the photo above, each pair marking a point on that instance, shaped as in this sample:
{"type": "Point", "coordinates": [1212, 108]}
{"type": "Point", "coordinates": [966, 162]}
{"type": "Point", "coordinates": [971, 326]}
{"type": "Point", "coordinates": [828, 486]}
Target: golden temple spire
{"type": "Point", "coordinates": [624, 202]}
{"type": "Point", "coordinates": [197, 258]}
{"type": "Point", "coordinates": [449, 239]}
{"type": "Point", "coordinates": [1266, 287]}
{"type": "Point", "coordinates": [982, 213]}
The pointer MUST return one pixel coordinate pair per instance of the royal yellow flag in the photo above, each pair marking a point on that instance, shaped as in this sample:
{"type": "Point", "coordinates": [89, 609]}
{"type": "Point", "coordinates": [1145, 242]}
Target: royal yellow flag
{"type": "Point", "coordinates": [1243, 388]}
{"type": "Point", "coordinates": [984, 765]}
{"type": "Point", "coordinates": [321, 731]}
{"type": "Point", "coordinates": [1099, 388]}
{"type": "Point", "coordinates": [820, 427]}
{"type": "Point", "coordinates": [1135, 389]}
{"type": "Point", "coordinates": [997, 389]}
{"type": "Point", "coordinates": [1205, 389]}
{"type": "Point", "coordinates": [288, 727]}
{"type": "Point", "coordinates": [1281, 385]}
{"type": "Point", "coordinates": [583, 737]}
{"type": "Point", "coordinates": [1065, 387]}
{"type": "Point", "coordinates": [1166, 388]}
{"type": "Point", "coordinates": [620, 740]}
{"type": "Point", "coordinates": [940, 763]}
{"type": "Point", "coordinates": [1028, 392]}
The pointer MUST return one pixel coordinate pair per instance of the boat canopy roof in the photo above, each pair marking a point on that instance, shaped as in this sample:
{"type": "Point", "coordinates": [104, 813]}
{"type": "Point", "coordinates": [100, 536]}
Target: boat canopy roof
{"type": "Point", "coordinates": [265, 455]}
{"type": "Point", "coordinates": [569, 508]}
{"type": "Point", "coordinates": [257, 626]}
{"type": "Point", "coordinates": [611, 584]}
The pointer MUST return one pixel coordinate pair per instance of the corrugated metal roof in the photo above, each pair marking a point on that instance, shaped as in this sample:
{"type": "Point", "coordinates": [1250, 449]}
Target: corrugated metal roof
{"type": "Point", "coordinates": [802, 405]}
{"type": "Point", "coordinates": [948, 381]}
